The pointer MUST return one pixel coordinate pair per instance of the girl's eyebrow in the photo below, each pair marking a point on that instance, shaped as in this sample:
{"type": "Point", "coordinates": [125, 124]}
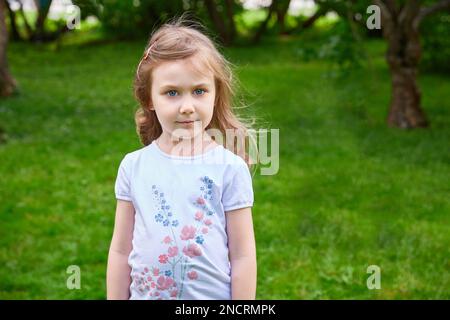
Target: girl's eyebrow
{"type": "Point", "coordinates": [174, 86]}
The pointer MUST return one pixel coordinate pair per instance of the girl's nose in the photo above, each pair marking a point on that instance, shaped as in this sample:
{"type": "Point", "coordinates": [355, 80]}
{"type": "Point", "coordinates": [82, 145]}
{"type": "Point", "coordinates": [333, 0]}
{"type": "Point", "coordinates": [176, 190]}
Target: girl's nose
{"type": "Point", "coordinates": [187, 106]}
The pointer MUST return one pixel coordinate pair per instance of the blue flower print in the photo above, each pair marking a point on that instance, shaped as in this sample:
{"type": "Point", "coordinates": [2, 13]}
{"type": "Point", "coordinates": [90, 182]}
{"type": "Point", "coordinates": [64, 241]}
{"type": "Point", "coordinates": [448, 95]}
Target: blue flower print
{"type": "Point", "coordinates": [163, 216]}
{"type": "Point", "coordinates": [168, 273]}
{"type": "Point", "coordinates": [175, 223]}
{"type": "Point", "coordinates": [199, 239]}
{"type": "Point", "coordinates": [207, 195]}
{"type": "Point", "coordinates": [207, 186]}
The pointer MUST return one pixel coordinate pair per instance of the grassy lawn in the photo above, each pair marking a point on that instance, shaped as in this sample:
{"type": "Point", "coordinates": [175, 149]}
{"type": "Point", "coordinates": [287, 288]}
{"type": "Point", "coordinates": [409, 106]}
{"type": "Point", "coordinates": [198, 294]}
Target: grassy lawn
{"type": "Point", "coordinates": [350, 192]}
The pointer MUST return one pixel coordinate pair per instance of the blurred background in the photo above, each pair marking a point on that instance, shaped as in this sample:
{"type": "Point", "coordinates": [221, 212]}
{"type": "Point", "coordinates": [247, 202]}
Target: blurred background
{"type": "Point", "coordinates": [360, 94]}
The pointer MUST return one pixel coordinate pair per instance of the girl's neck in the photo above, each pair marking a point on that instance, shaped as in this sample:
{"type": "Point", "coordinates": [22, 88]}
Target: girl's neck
{"type": "Point", "coordinates": [185, 147]}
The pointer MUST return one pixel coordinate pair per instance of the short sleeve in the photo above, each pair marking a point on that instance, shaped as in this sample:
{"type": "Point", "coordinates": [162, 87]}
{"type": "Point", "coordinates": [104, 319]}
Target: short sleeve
{"type": "Point", "coordinates": [238, 189]}
{"type": "Point", "coordinates": [122, 186]}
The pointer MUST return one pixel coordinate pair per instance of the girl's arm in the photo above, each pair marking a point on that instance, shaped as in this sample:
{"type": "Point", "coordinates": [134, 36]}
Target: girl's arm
{"type": "Point", "coordinates": [118, 273]}
{"type": "Point", "coordinates": [242, 251]}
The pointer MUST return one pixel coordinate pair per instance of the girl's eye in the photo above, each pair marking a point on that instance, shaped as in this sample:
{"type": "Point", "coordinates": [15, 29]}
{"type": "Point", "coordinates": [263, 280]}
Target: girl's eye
{"type": "Point", "coordinates": [171, 93]}
{"type": "Point", "coordinates": [199, 91]}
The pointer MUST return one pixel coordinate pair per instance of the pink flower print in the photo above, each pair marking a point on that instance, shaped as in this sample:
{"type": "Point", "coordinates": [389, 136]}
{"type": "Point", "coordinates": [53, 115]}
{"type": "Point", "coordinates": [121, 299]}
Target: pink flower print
{"type": "Point", "coordinates": [174, 293]}
{"type": "Point", "coordinates": [173, 251]}
{"type": "Point", "coordinates": [201, 201]}
{"type": "Point", "coordinates": [198, 215]}
{"type": "Point", "coordinates": [204, 230]}
{"type": "Point", "coordinates": [153, 285]}
{"type": "Point", "coordinates": [145, 269]}
{"type": "Point", "coordinates": [208, 222]}
{"type": "Point", "coordinates": [163, 258]}
{"type": "Point", "coordinates": [188, 232]}
{"type": "Point", "coordinates": [156, 293]}
{"type": "Point", "coordinates": [167, 240]}
{"type": "Point", "coordinates": [149, 278]}
{"type": "Point", "coordinates": [192, 250]}
{"type": "Point", "coordinates": [192, 275]}
{"type": "Point", "coordinates": [155, 272]}
{"type": "Point", "coordinates": [164, 283]}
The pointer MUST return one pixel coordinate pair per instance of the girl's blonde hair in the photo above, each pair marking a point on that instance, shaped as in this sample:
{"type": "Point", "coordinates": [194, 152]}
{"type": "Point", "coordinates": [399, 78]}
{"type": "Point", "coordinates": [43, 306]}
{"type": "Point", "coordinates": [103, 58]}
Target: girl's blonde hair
{"type": "Point", "coordinates": [176, 40]}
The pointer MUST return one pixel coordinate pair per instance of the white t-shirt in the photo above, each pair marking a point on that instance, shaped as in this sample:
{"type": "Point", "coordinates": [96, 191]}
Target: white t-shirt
{"type": "Point", "coordinates": [180, 244]}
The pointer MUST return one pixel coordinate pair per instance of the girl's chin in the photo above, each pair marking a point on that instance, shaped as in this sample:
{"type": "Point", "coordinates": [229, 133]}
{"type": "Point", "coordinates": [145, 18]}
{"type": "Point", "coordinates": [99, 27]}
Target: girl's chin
{"type": "Point", "coordinates": [187, 135]}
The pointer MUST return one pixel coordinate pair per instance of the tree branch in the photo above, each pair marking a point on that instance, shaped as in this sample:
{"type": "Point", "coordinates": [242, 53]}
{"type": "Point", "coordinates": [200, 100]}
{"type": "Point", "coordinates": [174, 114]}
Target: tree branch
{"type": "Point", "coordinates": [426, 11]}
{"type": "Point", "coordinates": [387, 17]}
{"type": "Point", "coordinates": [263, 26]}
{"type": "Point", "coordinates": [409, 11]}
{"type": "Point", "coordinates": [25, 21]}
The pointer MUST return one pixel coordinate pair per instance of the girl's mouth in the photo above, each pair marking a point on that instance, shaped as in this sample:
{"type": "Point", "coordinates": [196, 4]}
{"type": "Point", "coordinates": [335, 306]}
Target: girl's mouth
{"type": "Point", "coordinates": [185, 123]}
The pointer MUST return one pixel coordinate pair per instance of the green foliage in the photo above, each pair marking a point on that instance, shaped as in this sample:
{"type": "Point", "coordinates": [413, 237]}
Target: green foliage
{"type": "Point", "coordinates": [335, 44]}
{"type": "Point", "coordinates": [435, 34]}
{"type": "Point", "coordinates": [136, 18]}
{"type": "Point", "coordinates": [89, 7]}
{"type": "Point", "coordinates": [342, 47]}
{"type": "Point", "coordinates": [130, 19]}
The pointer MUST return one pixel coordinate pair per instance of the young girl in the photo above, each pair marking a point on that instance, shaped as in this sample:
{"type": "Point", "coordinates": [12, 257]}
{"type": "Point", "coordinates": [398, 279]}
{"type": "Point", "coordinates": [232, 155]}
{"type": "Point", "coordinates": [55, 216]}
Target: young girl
{"type": "Point", "coordinates": [183, 227]}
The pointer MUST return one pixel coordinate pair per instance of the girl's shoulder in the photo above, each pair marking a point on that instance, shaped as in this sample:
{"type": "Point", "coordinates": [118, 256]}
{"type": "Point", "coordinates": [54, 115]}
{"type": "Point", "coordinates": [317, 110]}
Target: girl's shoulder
{"type": "Point", "coordinates": [231, 158]}
{"type": "Point", "coordinates": [233, 163]}
{"type": "Point", "coordinates": [129, 158]}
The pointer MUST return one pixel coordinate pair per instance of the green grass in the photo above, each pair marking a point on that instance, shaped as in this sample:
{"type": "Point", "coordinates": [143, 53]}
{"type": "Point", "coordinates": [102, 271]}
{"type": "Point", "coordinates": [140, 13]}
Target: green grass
{"type": "Point", "coordinates": [350, 191]}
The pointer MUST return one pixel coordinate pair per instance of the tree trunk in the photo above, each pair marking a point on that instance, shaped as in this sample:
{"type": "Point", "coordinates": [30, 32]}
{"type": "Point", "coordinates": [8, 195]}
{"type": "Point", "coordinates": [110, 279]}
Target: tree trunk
{"type": "Point", "coordinates": [15, 35]}
{"type": "Point", "coordinates": [43, 9]}
{"type": "Point", "coordinates": [403, 56]}
{"type": "Point", "coordinates": [281, 11]}
{"type": "Point", "coordinates": [262, 28]}
{"type": "Point", "coordinates": [7, 83]}
{"type": "Point", "coordinates": [218, 21]}
{"type": "Point", "coordinates": [405, 111]}
{"type": "Point", "coordinates": [25, 22]}
{"type": "Point", "coordinates": [230, 17]}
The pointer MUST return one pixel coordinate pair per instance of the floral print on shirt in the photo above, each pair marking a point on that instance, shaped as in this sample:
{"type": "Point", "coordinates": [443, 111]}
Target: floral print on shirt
{"type": "Point", "coordinates": [183, 245]}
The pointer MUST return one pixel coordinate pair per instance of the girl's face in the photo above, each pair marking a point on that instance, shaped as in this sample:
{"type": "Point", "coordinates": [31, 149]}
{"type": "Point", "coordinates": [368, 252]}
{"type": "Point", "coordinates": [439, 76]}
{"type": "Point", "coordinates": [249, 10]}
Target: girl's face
{"type": "Point", "coordinates": [181, 93]}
